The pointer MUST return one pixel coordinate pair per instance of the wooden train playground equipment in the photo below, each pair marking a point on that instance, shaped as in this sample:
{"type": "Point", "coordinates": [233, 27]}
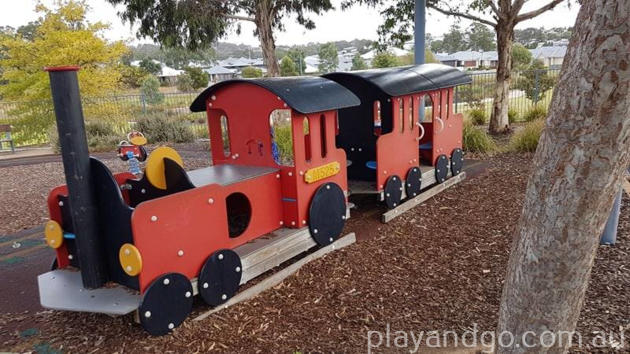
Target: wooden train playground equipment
{"type": "Point", "coordinates": [148, 244]}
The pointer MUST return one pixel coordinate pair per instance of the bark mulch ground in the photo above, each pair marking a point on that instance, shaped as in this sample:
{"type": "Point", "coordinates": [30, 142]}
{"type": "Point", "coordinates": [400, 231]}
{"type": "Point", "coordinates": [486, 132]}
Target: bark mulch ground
{"type": "Point", "coordinates": [438, 267]}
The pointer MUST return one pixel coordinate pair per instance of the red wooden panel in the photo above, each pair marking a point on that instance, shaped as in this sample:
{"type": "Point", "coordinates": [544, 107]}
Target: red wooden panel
{"type": "Point", "coordinates": [189, 222]}
{"type": "Point", "coordinates": [55, 212]}
{"type": "Point", "coordinates": [450, 137]}
{"type": "Point", "coordinates": [397, 152]}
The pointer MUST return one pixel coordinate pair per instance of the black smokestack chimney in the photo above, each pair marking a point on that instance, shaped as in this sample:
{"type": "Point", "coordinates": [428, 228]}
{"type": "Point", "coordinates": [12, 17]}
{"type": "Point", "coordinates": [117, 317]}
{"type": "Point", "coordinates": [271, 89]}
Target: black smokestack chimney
{"type": "Point", "coordinates": [76, 165]}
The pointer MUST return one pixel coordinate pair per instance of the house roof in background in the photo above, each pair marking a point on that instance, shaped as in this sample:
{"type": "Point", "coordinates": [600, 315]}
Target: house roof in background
{"type": "Point", "coordinates": [218, 70]}
{"type": "Point", "coordinates": [549, 52]}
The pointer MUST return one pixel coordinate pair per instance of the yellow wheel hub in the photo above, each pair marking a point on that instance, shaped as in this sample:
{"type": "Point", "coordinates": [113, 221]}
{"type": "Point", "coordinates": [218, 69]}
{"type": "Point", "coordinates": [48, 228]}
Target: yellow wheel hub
{"type": "Point", "coordinates": [155, 165]}
{"type": "Point", "coordinates": [54, 234]}
{"type": "Point", "coordinates": [130, 259]}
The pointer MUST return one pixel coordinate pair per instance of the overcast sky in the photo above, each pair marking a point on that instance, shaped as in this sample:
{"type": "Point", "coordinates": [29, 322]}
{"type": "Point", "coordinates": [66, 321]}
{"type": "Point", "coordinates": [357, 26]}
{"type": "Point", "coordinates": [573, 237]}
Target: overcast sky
{"type": "Point", "coordinates": [358, 22]}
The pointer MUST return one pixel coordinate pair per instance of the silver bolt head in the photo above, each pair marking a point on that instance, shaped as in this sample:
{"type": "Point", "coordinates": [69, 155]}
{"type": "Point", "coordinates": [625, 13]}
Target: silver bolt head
{"type": "Point", "coordinates": [171, 326]}
{"type": "Point", "coordinates": [154, 218]}
{"type": "Point", "coordinates": [223, 297]}
{"type": "Point", "coordinates": [238, 269]}
{"type": "Point", "coordinates": [205, 285]}
{"type": "Point", "coordinates": [220, 256]}
{"type": "Point", "coordinates": [166, 281]}
{"type": "Point", "coordinates": [188, 294]}
{"type": "Point", "coordinates": [314, 231]}
{"type": "Point", "coordinates": [330, 239]}
{"type": "Point", "coordinates": [147, 314]}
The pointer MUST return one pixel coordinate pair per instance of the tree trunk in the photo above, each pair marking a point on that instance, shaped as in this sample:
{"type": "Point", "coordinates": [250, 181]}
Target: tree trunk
{"type": "Point", "coordinates": [264, 27]}
{"type": "Point", "coordinates": [578, 169]}
{"type": "Point", "coordinates": [499, 122]}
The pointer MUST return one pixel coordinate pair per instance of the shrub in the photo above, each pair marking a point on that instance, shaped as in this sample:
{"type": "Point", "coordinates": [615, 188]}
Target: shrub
{"type": "Point", "coordinates": [512, 115]}
{"type": "Point", "coordinates": [184, 83]}
{"type": "Point", "coordinates": [251, 72]}
{"type": "Point", "coordinates": [477, 140]}
{"type": "Point", "coordinates": [150, 89]}
{"type": "Point", "coordinates": [526, 139]}
{"type": "Point", "coordinates": [101, 136]}
{"type": "Point", "coordinates": [477, 116]}
{"type": "Point", "coordinates": [198, 77]}
{"type": "Point", "coordinates": [535, 112]}
{"type": "Point", "coordinates": [159, 129]}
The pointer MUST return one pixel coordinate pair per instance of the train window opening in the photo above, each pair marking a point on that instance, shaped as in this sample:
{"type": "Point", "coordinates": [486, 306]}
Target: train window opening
{"type": "Point", "coordinates": [377, 118]}
{"type": "Point", "coordinates": [239, 213]}
{"type": "Point", "coordinates": [307, 139]}
{"type": "Point", "coordinates": [401, 115]}
{"type": "Point", "coordinates": [281, 137]}
{"type": "Point", "coordinates": [322, 133]}
{"type": "Point", "coordinates": [411, 113]}
{"type": "Point", "coordinates": [428, 109]}
{"type": "Point", "coordinates": [225, 135]}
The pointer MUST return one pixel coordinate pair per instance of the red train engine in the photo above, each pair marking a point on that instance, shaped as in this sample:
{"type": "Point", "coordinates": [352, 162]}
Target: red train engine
{"type": "Point", "coordinates": [173, 234]}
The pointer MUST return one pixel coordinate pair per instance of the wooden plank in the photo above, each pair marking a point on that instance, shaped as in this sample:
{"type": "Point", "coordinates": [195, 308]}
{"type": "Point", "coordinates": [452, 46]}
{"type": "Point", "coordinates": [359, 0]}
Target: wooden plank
{"type": "Point", "coordinates": [278, 277]}
{"type": "Point", "coordinates": [393, 213]}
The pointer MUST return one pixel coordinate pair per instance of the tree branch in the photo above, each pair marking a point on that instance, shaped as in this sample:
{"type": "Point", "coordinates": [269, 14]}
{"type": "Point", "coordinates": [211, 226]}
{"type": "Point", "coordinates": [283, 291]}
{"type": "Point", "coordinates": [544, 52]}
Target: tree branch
{"type": "Point", "coordinates": [532, 14]}
{"type": "Point", "coordinates": [493, 7]}
{"type": "Point", "coordinates": [451, 12]}
{"type": "Point", "coordinates": [240, 18]}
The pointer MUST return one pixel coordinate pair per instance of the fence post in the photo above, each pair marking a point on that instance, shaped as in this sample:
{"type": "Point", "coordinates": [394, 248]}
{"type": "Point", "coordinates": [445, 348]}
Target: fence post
{"type": "Point", "coordinates": [144, 103]}
{"type": "Point", "coordinates": [537, 86]}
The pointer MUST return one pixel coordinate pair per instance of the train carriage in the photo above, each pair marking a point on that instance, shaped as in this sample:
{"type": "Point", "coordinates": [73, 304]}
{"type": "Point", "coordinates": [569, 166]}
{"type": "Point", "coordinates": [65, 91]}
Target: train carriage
{"type": "Point", "coordinates": [389, 139]}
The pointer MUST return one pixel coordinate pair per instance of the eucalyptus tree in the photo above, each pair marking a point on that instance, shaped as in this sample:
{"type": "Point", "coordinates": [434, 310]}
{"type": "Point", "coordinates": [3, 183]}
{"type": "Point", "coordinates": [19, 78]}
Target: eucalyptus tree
{"type": "Point", "coordinates": [199, 23]}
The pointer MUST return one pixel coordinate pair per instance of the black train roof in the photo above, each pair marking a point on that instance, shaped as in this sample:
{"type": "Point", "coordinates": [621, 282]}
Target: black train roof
{"type": "Point", "coordinates": [307, 94]}
{"type": "Point", "coordinates": [406, 80]}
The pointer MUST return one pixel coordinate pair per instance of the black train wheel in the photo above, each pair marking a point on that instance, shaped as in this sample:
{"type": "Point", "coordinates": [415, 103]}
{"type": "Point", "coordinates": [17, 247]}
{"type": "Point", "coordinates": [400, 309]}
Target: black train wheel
{"type": "Point", "coordinates": [393, 191]}
{"type": "Point", "coordinates": [457, 161]}
{"type": "Point", "coordinates": [413, 182]}
{"type": "Point", "coordinates": [165, 304]}
{"type": "Point", "coordinates": [441, 169]}
{"type": "Point", "coordinates": [220, 277]}
{"type": "Point", "coordinates": [327, 213]}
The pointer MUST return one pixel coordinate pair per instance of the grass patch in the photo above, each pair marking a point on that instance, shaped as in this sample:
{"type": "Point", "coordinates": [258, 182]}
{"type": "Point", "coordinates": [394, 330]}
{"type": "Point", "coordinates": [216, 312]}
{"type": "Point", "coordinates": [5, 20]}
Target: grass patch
{"type": "Point", "coordinates": [526, 140]}
{"type": "Point", "coordinates": [535, 112]}
{"type": "Point", "coordinates": [477, 140]}
{"type": "Point", "coordinates": [477, 116]}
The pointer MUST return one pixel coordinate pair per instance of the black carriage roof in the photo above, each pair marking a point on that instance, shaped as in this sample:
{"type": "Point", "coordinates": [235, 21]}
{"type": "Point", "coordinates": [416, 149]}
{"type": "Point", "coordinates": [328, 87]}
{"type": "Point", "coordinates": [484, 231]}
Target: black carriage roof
{"type": "Point", "coordinates": [308, 94]}
{"type": "Point", "coordinates": [406, 80]}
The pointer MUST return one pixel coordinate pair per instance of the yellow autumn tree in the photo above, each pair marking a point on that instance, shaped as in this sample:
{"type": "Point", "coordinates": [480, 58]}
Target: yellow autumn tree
{"type": "Point", "coordinates": [63, 37]}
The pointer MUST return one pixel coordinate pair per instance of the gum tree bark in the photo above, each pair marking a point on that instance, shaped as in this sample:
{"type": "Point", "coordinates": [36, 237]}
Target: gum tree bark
{"type": "Point", "coordinates": [499, 121]}
{"type": "Point", "coordinates": [263, 19]}
{"type": "Point", "coordinates": [578, 168]}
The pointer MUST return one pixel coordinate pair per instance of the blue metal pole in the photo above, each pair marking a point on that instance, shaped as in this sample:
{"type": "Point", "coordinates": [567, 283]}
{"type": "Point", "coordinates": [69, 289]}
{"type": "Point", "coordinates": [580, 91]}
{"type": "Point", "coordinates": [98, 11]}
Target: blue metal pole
{"type": "Point", "coordinates": [419, 31]}
{"type": "Point", "coordinates": [609, 236]}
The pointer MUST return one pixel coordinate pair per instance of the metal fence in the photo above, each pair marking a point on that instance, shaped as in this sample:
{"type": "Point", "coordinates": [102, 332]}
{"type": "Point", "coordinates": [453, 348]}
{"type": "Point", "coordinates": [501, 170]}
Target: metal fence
{"type": "Point", "coordinates": [31, 120]}
{"type": "Point", "coordinates": [527, 89]}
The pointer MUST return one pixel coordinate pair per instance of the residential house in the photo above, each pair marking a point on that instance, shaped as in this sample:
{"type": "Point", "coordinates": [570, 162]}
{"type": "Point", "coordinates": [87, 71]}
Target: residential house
{"type": "Point", "coordinates": [551, 56]}
{"type": "Point", "coordinates": [218, 73]}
